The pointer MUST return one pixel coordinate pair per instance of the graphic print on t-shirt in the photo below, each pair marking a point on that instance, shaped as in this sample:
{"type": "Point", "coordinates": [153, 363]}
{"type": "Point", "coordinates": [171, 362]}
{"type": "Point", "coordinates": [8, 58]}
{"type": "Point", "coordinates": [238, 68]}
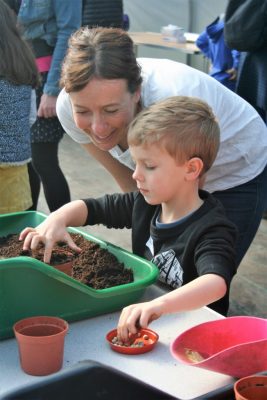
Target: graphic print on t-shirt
{"type": "Point", "coordinates": [170, 269]}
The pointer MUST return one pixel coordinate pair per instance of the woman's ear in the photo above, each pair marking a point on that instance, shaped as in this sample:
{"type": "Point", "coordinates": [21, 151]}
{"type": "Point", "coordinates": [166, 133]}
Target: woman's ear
{"type": "Point", "coordinates": [194, 168]}
{"type": "Point", "coordinates": [137, 94]}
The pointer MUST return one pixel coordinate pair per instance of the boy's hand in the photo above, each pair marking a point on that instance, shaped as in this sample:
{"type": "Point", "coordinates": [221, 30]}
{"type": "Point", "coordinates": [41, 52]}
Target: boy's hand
{"type": "Point", "coordinates": [137, 316]}
{"type": "Point", "coordinates": [48, 232]}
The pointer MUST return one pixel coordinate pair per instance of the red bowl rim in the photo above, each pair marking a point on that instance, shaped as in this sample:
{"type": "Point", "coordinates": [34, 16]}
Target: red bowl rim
{"type": "Point", "coordinates": [133, 350]}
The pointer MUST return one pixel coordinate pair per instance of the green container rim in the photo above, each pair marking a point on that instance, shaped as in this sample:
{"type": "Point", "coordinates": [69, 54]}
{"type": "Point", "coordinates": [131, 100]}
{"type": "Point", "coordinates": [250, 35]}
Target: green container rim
{"type": "Point", "coordinates": [150, 278]}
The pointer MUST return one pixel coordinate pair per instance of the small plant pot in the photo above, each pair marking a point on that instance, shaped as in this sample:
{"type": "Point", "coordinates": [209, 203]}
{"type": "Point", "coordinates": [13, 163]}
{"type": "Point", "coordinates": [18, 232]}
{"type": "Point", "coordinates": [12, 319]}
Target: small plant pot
{"type": "Point", "coordinates": [62, 261]}
{"type": "Point", "coordinates": [251, 388]}
{"type": "Point", "coordinates": [41, 344]}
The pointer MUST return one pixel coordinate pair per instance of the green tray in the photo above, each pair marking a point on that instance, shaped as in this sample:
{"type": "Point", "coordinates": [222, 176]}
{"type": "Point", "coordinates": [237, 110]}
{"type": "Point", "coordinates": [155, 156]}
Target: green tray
{"type": "Point", "coordinates": [30, 287]}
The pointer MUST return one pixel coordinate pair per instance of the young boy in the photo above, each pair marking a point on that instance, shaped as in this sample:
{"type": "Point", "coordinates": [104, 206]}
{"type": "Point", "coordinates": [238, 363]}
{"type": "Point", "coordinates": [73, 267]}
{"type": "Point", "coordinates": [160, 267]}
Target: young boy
{"type": "Point", "coordinates": [182, 229]}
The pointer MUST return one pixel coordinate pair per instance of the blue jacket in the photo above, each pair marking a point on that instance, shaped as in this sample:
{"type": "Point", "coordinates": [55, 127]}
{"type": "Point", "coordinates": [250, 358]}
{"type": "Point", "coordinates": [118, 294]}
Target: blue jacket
{"type": "Point", "coordinates": [54, 21]}
{"type": "Point", "coordinates": [211, 43]}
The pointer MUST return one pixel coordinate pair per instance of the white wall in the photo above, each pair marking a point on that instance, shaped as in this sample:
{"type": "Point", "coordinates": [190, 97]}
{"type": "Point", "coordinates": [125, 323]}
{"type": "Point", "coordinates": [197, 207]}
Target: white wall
{"type": "Point", "coordinates": [192, 15]}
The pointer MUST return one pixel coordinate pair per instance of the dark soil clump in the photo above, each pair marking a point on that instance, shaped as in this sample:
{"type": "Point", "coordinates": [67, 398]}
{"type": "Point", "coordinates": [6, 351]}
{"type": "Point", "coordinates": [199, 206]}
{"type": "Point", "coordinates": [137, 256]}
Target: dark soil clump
{"type": "Point", "coordinates": [94, 266]}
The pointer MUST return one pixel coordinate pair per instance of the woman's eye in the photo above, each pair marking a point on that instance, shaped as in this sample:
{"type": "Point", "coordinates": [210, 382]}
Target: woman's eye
{"type": "Point", "coordinates": [81, 112]}
{"type": "Point", "coordinates": [150, 167]}
{"type": "Point", "coordinates": [112, 111]}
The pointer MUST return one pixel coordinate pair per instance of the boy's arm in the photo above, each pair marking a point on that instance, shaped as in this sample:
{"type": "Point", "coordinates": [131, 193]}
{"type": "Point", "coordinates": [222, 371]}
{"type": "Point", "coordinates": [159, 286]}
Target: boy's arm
{"type": "Point", "coordinates": [54, 228]}
{"type": "Point", "coordinates": [198, 293]}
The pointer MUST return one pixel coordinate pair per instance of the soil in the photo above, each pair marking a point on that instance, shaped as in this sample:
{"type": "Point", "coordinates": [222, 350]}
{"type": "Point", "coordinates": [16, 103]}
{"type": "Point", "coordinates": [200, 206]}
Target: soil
{"type": "Point", "coordinates": [94, 266]}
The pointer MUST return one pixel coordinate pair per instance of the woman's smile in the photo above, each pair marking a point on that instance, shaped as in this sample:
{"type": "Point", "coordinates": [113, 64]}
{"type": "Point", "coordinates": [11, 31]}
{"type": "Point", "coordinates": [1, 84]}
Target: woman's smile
{"type": "Point", "coordinates": [100, 138]}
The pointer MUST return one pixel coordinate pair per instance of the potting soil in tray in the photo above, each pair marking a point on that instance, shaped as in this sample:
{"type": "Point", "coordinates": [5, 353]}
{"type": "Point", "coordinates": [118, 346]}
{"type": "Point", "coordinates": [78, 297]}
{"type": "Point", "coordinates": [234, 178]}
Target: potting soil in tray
{"type": "Point", "coordinates": [94, 266]}
{"type": "Point", "coordinates": [30, 287]}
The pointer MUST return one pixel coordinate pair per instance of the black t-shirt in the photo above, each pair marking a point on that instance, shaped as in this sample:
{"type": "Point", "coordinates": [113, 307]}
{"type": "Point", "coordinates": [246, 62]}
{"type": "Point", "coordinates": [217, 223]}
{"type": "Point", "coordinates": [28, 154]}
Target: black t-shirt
{"type": "Point", "coordinates": [204, 243]}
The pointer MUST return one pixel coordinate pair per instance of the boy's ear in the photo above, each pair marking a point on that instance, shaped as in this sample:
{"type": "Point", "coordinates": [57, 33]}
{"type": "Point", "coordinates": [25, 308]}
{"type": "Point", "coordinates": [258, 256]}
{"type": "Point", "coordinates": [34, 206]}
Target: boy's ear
{"type": "Point", "coordinates": [194, 168]}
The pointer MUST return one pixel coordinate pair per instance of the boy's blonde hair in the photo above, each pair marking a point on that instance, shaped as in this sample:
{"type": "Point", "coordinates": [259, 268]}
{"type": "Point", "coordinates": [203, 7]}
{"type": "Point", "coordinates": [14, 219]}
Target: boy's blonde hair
{"type": "Point", "coordinates": [185, 126]}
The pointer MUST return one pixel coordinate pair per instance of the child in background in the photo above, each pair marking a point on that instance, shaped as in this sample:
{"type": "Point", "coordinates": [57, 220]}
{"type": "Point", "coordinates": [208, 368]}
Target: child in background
{"type": "Point", "coordinates": [18, 75]}
{"type": "Point", "coordinates": [182, 229]}
{"type": "Point", "coordinates": [224, 61]}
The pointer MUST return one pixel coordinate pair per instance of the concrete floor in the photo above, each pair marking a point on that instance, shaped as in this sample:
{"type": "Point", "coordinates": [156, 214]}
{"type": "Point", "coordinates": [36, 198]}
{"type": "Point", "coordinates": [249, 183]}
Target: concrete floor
{"type": "Point", "coordinates": [87, 178]}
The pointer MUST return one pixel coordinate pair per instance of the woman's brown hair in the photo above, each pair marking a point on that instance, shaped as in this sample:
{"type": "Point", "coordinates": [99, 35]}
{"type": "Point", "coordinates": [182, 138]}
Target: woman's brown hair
{"type": "Point", "coordinates": [17, 63]}
{"type": "Point", "coordinates": [105, 53]}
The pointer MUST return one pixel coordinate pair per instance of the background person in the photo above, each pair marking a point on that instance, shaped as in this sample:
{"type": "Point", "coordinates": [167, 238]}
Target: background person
{"type": "Point", "coordinates": [184, 231]}
{"type": "Point", "coordinates": [224, 61]}
{"type": "Point", "coordinates": [18, 77]}
{"type": "Point", "coordinates": [105, 87]}
{"type": "Point", "coordinates": [251, 40]}
{"type": "Point", "coordinates": [103, 13]}
{"type": "Point", "coordinates": [47, 25]}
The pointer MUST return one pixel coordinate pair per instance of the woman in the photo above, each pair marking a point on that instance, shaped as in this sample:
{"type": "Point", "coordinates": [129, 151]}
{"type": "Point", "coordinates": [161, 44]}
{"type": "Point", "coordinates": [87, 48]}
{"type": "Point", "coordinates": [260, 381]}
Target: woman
{"type": "Point", "coordinates": [105, 87]}
{"type": "Point", "coordinates": [18, 77]}
{"type": "Point", "coordinates": [47, 25]}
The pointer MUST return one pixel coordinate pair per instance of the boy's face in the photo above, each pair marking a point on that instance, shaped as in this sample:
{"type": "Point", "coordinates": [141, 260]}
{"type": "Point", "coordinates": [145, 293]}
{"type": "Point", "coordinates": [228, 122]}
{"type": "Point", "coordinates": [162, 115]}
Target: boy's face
{"type": "Point", "coordinates": [158, 176]}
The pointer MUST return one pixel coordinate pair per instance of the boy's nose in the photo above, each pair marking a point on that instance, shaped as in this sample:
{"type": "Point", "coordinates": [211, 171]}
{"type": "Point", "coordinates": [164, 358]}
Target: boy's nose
{"type": "Point", "coordinates": [137, 175]}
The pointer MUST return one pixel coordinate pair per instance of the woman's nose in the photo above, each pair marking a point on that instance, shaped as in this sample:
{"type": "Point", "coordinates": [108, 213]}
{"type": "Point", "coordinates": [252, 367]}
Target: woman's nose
{"type": "Point", "coordinates": [99, 126]}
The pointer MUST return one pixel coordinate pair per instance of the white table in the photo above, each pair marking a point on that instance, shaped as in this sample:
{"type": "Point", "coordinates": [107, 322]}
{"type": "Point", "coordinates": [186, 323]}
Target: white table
{"type": "Point", "coordinates": [86, 340]}
{"type": "Point", "coordinates": [154, 39]}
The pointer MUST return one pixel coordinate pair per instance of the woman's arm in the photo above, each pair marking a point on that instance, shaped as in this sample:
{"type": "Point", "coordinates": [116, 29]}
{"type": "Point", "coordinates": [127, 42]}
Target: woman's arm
{"type": "Point", "coordinates": [121, 173]}
{"type": "Point", "coordinates": [68, 16]}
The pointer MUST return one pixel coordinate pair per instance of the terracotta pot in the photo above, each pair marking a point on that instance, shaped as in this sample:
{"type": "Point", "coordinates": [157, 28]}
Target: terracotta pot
{"type": "Point", "coordinates": [251, 388]}
{"type": "Point", "coordinates": [41, 344]}
{"type": "Point", "coordinates": [65, 267]}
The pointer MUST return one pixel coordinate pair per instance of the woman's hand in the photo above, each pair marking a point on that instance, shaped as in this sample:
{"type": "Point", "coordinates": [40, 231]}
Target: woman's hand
{"type": "Point", "coordinates": [49, 232]}
{"type": "Point", "coordinates": [47, 107]}
{"type": "Point", "coordinates": [137, 316]}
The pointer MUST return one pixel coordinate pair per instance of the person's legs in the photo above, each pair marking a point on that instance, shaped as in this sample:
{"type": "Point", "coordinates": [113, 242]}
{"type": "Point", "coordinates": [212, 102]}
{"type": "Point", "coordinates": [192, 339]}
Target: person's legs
{"type": "Point", "coordinates": [244, 206]}
{"type": "Point", "coordinates": [45, 136]}
{"type": "Point", "coordinates": [45, 161]}
{"type": "Point", "coordinates": [35, 184]}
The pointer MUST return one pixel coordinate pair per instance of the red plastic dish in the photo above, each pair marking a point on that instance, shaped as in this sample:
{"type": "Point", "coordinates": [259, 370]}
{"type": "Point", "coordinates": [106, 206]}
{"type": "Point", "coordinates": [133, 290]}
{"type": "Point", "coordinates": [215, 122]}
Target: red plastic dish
{"type": "Point", "coordinates": [235, 346]}
{"type": "Point", "coordinates": [149, 343]}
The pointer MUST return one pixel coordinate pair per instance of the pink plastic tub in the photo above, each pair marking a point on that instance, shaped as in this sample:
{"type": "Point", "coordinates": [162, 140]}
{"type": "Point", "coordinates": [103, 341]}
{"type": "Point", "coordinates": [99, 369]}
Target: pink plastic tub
{"type": "Point", "coordinates": [235, 346]}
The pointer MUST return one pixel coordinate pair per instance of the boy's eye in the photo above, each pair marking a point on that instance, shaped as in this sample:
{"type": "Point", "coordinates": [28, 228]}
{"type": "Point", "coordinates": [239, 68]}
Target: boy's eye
{"type": "Point", "coordinates": [150, 167]}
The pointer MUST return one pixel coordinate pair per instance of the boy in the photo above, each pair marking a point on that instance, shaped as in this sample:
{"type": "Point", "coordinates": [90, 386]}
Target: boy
{"type": "Point", "coordinates": [182, 229]}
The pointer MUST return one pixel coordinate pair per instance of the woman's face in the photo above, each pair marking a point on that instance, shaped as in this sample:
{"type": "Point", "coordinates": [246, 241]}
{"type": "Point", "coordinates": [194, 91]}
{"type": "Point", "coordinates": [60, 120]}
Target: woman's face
{"type": "Point", "coordinates": [103, 110]}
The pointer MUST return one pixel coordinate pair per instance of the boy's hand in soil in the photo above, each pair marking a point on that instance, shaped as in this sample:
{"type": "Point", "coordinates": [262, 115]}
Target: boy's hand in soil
{"type": "Point", "coordinates": [54, 229]}
{"type": "Point", "coordinates": [137, 316]}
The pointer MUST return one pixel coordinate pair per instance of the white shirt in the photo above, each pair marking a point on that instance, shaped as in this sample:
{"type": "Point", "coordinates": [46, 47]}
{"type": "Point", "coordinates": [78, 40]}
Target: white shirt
{"type": "Point", "coordinates": [243, 146]}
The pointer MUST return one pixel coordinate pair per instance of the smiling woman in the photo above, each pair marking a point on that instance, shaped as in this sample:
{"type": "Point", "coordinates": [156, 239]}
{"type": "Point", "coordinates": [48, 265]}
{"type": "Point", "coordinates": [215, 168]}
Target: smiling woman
{"type": "Point", "coordinates": [103, 109]}
{"type": "Point", "coordinates": [105, 86]}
